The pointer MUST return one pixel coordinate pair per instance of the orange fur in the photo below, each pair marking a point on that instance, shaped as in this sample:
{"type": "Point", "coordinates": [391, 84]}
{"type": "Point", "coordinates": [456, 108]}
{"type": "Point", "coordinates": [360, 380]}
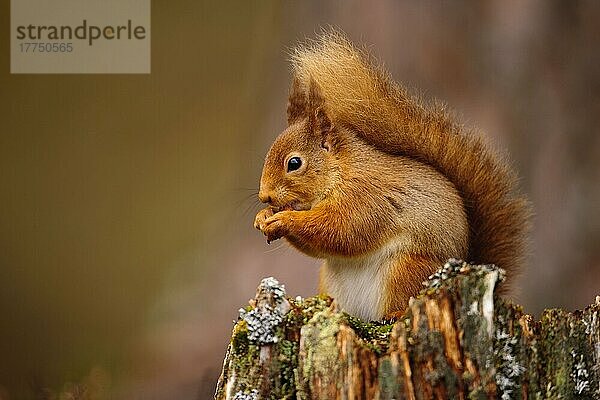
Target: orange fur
{"type": "Point", "coordinates": [388, 184]}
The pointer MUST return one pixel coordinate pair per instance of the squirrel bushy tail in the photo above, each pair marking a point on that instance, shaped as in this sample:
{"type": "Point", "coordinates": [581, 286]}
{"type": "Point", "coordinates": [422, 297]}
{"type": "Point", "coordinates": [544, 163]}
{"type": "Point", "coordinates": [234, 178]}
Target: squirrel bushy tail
{"type": "Point", "coordinates": [360, 95]}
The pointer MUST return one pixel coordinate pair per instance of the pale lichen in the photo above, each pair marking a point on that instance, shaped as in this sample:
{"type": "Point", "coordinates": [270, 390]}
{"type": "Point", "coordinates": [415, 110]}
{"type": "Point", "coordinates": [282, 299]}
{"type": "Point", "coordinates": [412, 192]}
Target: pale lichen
{"type": "Point", "coordinates": [473, 308]}
{"type": "Point", "coordinates": [261, 324]}
{"type": "Point", "coordinates": [508, 368]}
{"type": "Point", "coordinates": [580, 373]}
{"type": "Point", "coordinates": [593, 331]}
{"type": "Point", "coordinates": [449, 269]}
{"type": "Point", "coordinates": [271, 306]}
{"type": "Point", "coordinates": [319, 340]}
{"type": "Point", "coordinates": [252, 395]}
{"type": "Point", "coordinates": [272, 286]}
{"type": "Point", "coordinates": [283, 348]}
{"type": "Point", "coordinates": [454, 267]}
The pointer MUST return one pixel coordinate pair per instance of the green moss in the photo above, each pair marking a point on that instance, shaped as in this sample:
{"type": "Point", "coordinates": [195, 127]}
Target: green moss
{"type": "Point", "coordinates": [244, 355]}
{"type": "Point", "coordinates": [554, 358]}
{"type": "Point", "coordinates": [556, 352]}
{"type": "Point", "coordinates": [321, 359]}
{"type": "Point", "coordinates": [565, 346]}
{"type": "Point", "coordinates": [247, 366]}
{"type": "Point", "coordinates": [510, 359]}
{"type": "Point", "coordinates": [304, 309]}
{"type": "Point", "coordinates": [478, 394]}
{"type": "Point", "coordinates": [476, 338]}
{"type": "Point", "coordinates": [239, 338]}
{"type": "Point", "coordinates": [375, 334]}
{"type": "Point", "coordinates": [284, 369]}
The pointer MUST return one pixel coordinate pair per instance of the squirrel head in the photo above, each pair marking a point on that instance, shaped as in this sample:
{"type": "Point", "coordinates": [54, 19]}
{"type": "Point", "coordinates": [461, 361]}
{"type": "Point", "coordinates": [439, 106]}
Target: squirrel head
{"type": "Point", "coordinates": [300, 167]}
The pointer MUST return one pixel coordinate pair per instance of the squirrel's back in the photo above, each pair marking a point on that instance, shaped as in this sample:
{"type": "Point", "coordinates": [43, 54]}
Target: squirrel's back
{"type": "Point", "coordinates": [361, 96]}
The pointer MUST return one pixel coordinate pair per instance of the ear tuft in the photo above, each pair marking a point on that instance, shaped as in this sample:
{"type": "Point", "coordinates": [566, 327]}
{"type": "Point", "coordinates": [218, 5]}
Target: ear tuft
{"type": "Point", "coordinates": [319, 121]}
{"type": "Point", "coordinates": [308, 103]}
{"type": "Point", "coordinates": [322, 123]}
{"type": "Point", "coordinates": [315, 97]}
{"type": "Point", "coordinates": [297, 103]}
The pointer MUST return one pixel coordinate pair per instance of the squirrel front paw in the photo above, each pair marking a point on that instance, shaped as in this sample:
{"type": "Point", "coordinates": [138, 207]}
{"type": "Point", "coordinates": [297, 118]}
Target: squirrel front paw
{"type": "Point", "coordinates": [261, 217]}
{"type": "Point", "coordinates": [276, 226]}
{"type": "Point", "coordinates": [273, 225]}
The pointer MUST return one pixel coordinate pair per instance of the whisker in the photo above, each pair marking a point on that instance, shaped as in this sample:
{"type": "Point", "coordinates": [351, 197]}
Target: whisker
{"type": "Point", "coordinates": [253, 197]}
{"type": "Point", "coordinates": [250, 208]}
{"type": "Point", "coordinates": [280, 246]}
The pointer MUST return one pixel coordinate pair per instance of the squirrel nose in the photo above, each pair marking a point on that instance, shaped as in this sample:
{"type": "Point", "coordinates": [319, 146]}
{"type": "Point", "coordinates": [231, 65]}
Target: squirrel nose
{"type": "Point", "coordinates": [265, 197]}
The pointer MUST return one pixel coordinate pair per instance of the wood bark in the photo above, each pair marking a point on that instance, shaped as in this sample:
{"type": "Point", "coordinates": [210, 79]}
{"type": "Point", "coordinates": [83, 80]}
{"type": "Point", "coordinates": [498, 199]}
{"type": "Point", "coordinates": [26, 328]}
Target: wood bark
{"type": "Point", "coordinates": [457, 340]}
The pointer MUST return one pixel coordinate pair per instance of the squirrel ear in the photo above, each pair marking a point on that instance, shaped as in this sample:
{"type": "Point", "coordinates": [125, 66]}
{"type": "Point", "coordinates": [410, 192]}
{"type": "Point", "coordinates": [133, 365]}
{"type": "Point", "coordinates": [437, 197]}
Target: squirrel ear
{"type": "Point", "coordinates": [309, 103]}
{"type": "Point", "coordinates": [319, 121]}
{"type": "Point", "coordinates": [297, 103]}
{"type": "Point", "coordinates": [315, 98]}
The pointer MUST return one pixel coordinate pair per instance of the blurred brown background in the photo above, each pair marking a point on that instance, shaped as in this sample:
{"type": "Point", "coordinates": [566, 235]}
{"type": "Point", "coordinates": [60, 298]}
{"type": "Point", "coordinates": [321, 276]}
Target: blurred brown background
{"type": "Point", "coordinates": [126, 202]}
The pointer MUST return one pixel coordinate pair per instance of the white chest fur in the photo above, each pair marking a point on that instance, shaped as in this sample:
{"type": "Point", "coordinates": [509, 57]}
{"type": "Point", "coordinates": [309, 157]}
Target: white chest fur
{"type": "Point", "coordinates": [357, 284]}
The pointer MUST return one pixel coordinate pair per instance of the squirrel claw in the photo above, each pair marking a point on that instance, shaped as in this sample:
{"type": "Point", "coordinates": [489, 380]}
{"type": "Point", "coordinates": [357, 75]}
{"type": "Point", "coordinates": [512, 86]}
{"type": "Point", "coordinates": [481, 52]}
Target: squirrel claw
{"type": "Point", "coordinates": [261, 217]}
{"type": "Point", "coordinates": [275, 227]}
{"type": "Point", "coordinates": [270, 224]}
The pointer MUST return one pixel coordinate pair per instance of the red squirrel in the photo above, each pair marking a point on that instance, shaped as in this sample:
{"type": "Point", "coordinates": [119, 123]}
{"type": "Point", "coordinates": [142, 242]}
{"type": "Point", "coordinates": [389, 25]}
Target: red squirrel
{"type": "Point", "coordinates": [382, 186]}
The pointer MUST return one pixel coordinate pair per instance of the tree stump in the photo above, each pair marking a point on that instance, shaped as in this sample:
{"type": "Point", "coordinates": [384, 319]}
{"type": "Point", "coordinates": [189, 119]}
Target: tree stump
{"type": "Point", "coordinates": [457, 340]}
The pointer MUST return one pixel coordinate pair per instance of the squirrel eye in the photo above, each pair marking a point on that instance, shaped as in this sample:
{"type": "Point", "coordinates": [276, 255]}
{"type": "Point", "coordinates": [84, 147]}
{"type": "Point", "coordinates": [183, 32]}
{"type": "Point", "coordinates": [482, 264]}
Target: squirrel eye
{"type": "Point", "coordinates": [293, 164]}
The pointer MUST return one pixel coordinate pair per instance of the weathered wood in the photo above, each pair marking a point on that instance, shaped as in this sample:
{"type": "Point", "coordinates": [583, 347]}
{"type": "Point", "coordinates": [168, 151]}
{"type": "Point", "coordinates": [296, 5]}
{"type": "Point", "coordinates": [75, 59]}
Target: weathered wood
{"type": "Point", "coordinates": [457, 340]}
